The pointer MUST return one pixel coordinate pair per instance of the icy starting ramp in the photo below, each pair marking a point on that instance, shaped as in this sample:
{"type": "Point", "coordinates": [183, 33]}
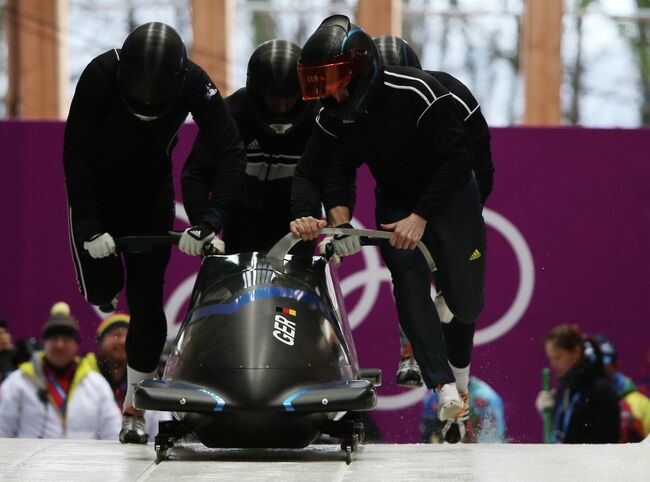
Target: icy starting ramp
{"type": "Point", "coordinates": [68, 460]}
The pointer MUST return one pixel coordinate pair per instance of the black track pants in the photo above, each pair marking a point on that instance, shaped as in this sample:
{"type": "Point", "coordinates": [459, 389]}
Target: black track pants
{"type": "Point", "coordinates": [100, 280]}
{"type": "Point", "coordinates": [455, 237]}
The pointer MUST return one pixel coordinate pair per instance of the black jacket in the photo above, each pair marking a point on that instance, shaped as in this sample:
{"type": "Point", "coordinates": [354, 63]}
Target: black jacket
{"type": "Point", "coordinates": [477, 129]}
{"type": "Point", "coordinates": [412, 138]}
{"type": "Point", "coordinates": [271, 158]}
{"type": "Point", "coordinates": [586, 406]}
{"type": "Point", "coordinates": [106, 146]}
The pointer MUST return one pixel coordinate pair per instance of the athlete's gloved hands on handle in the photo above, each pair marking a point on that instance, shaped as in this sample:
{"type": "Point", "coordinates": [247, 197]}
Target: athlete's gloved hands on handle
{"type": "Point", "coordinates": [345, 245]}
{"type": "Point", "coordinates": [218, 244]}
{"type": "Point", "coordinates": [100, 245]}
{"type": "Point", "coordinates": [194, 238]}
{"type": "Point", "coordinates": [322, 247]}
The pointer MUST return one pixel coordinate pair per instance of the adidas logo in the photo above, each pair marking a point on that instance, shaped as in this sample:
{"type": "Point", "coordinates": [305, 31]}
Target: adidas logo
{"type": "Point", "coordinates": [476, 254]}
{"type": "Point", "coordinates": [253, 145]}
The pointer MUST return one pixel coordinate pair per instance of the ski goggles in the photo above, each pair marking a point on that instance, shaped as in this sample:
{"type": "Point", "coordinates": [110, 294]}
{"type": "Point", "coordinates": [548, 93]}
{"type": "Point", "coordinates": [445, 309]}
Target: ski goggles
{"type": "Point", "coordinates": [322, 80]}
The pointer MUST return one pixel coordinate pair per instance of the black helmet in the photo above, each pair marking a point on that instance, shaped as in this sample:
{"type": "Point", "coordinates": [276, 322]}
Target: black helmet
{"type": "Point", "coordinates": [272, 76]}
{"type": "Point", "coordinates": [396, 51]}
{"type": "Point", "coordinates": [339, 54]}
{"type": "Point", "coordinates": [272, 69]}
{"type": "Point", "coordinates": [151, 71]}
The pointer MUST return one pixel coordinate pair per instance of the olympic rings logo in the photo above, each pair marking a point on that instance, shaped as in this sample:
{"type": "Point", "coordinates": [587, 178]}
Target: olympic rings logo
{"type": "Point", "coordinates": [370, 280]}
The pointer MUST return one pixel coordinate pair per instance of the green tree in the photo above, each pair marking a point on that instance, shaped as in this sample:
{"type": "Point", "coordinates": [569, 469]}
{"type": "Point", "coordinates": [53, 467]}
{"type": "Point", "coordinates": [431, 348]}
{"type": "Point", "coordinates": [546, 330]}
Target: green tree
{"type": "Point", "coordinates": [638, 37]}
{"type": "Point", "coordinates": [264, 26]}
{"type": "Point", "coordinates": [414, 30]}
{"type": "Point", "coordinates": [576, 70]}
{"type": "Point", "coordinates": [3, 57]}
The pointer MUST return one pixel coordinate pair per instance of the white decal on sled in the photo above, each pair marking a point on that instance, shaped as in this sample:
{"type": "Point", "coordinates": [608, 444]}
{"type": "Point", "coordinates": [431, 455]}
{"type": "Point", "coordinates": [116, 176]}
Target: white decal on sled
{"type": "Point", "coordinates": [285, 330]}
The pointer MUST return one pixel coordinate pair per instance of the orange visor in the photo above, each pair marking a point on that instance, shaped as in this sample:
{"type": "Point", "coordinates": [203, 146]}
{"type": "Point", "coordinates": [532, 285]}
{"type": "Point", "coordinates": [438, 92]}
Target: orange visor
{"type": "Point", "coordinates": [319, 81]}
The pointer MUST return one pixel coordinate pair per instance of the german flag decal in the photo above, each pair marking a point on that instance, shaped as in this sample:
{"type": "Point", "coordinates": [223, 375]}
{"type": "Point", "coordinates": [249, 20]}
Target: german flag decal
{"type": "Point", "coordinates": [286, 311]}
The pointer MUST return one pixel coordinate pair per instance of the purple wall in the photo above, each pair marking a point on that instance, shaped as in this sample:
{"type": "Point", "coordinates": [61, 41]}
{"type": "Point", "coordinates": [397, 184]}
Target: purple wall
{"type": "Point", "coordinates": [568, 230]}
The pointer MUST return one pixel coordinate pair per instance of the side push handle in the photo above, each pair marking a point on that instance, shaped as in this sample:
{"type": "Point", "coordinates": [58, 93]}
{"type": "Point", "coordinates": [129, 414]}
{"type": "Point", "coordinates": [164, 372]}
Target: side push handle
{"type": "Point", "coordinates": [144, 244]}
{"type": "Point", "coordinates": [368, 237]}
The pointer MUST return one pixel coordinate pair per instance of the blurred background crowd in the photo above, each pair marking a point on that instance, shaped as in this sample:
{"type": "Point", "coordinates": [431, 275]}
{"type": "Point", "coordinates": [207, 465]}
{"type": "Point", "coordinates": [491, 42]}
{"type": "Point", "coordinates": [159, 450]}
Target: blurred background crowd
{"type": "Point", "coordinates": [48, 389]}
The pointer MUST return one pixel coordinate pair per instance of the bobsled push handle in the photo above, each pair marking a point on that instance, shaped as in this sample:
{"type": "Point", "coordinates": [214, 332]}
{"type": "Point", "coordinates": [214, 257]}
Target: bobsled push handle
{"type": "Point", "coordinates": [143, 244]}
{"type": "Point", "coordinates": [368, 236]}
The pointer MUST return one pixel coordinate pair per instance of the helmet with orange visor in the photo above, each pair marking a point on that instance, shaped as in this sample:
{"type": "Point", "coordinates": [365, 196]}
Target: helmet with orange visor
{"type": "Point", "coordinates": [340, 55]}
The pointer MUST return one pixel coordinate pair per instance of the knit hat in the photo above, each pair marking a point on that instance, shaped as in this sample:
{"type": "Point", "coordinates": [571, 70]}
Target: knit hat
{"type": "Point", "coordinates": [115, 321]}
{"type": "Point", "coordinates": [60, 308]}
{"type": "Point", "coordinates": [60, 323]}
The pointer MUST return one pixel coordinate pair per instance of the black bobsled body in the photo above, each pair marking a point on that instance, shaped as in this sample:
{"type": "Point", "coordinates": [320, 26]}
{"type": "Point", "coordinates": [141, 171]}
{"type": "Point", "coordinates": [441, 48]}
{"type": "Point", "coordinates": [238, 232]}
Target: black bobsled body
{"type": "Point", "coordinates": [264, 356]}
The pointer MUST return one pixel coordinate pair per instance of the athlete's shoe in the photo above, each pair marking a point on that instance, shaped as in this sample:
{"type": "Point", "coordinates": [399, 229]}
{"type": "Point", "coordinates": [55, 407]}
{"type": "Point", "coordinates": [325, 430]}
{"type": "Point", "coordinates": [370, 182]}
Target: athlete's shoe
{"type": "Point", "coordinates": [408, 373]}
{"type": "Point", "coordinates": [449, 402]}
{"type": "Point", "coordinates": [134, 430]}
{"type": "Point", "coordinates": [454, 429]}
{"type": "Point", "coordinates": [109, 307]}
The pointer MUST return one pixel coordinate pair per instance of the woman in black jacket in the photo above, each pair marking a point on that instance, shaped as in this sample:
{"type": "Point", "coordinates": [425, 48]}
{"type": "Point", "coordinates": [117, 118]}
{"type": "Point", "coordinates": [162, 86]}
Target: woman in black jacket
{"type": "Point", "coordinates": [585, 407]}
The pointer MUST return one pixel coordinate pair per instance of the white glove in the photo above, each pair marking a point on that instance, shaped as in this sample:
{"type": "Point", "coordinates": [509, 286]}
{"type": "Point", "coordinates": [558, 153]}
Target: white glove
{"type": "Point", "coordinates": [545, 401]}
{"type": "Point", "coordinates": [100, 245]}
{"type": "Point", "coordinates": [218, 244]}
{"type": "Point", "coordinates": [322, 247]}
{"type": "Point", "coordinates": [193, 239]}
{"type": "Point", "coordinates": [345, 245]}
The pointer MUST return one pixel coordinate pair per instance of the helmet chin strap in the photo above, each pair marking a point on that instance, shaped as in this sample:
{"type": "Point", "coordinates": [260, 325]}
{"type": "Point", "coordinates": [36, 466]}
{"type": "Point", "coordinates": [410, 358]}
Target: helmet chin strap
{"type": "Point", "coordinates": [281, 128]}
{"type": "Point", "coordinates": [145, 118]}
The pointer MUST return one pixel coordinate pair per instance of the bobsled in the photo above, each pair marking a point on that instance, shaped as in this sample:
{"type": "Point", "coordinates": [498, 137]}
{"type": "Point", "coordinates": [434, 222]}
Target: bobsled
{"type": "Point", "coordinates": [264, 357]}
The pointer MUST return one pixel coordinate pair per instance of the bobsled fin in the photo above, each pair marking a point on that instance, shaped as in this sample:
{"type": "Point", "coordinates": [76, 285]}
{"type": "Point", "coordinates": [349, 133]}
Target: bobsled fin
{"type": "Point", "coordinates": [334, 397]}
{"type": "Point", "coordinates": [170, 396]}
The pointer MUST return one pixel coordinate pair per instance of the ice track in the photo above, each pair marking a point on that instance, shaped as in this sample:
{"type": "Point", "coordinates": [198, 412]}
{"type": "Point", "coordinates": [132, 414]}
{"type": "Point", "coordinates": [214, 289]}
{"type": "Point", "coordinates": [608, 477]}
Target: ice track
{"type": "Point", "coordinates": [67, 460]}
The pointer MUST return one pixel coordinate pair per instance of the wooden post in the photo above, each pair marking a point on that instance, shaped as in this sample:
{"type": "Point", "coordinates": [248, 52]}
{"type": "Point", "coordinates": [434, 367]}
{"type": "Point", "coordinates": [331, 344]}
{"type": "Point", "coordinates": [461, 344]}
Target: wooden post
{"type": "Point", "coordinates": [380, 17]}
{"type": "Point", "coordinates": [211, 25]}
{"type": "Point", "coordinates": [541, 36]}
{"type": "Point", "coordinates": [38, 66]}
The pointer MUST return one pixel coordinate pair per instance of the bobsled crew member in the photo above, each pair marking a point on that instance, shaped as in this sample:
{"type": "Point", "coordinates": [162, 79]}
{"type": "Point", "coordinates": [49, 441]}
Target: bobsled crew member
{"type": "Point", "coordinates": [122, 127]}
{"type": "Point", "coordinates": [58, 394]}
{"type": "Point", "coordinates": [275, 125]}
{"type": "Point", "coordinates": [407, 127]}
{"type": "Point", "coordinates": [395, 51]}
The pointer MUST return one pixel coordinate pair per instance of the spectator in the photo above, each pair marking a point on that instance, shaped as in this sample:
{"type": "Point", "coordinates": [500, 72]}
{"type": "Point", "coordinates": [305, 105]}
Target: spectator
{"type": "Point", "coordinates": [585, 406]}
{"type": "Point", "coordinates": [8, 352]}
{"type": "Point", "coordinates": [111, 362]}
{"type": "Point", "coordinates": [111, 354]}
{"type": "Point", "coordinates": [635, 407]}
{"type": "Point", "coordinates": [486, 423]}
{"type": "Point", "coordinates": [57, 394]}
